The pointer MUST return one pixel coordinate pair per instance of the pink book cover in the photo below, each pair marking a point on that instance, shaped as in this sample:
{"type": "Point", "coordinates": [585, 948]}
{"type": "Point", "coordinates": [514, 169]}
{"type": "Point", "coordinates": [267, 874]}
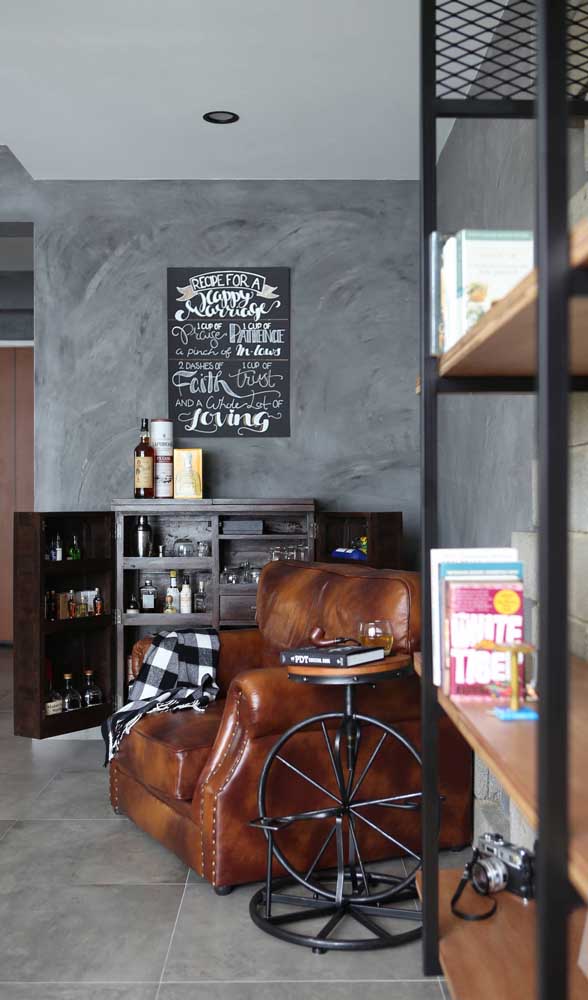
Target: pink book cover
{"type": "Point", "coordinates": [476, 611]}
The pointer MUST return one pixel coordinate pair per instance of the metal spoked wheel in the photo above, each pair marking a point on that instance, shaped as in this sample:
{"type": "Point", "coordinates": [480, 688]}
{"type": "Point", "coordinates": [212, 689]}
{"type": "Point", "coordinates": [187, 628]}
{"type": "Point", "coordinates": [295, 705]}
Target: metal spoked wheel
{"type": "Point", "coordinates": [345, 815]}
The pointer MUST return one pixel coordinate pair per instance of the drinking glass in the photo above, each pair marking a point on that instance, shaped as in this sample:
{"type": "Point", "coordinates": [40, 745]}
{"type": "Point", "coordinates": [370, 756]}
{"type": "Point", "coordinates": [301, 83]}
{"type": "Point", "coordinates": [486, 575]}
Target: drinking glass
{"type": "Point", "coordinates": [377, 632]}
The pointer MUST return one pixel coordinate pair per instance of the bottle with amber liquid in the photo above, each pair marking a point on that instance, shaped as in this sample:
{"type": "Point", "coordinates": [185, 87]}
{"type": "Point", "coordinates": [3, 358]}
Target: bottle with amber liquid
{"type": "Point", "coordinates": [144, 460]}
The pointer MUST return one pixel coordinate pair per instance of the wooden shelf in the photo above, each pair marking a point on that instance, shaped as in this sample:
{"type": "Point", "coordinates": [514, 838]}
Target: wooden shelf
{"type": "Point", "coordinates": [165, 563]}
{"type": "Point", "coordinates": [71, 567]}
{"type": "Point", "coordinates": [476, 957]}
{"type": "Point", "coordinates": [144, 618]}
{"type": "Point", "coordinates": [72, 625]}
{"type": "Point", "coordinates": [503, 342]}
{"type": "Point", "coordinates": [509, 750]}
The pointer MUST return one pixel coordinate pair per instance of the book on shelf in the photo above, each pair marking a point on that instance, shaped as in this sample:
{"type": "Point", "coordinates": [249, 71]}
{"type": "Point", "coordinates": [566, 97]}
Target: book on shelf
{"type": "Point", "coordinates": [479, 602]}
{"type": "Point", "coordinates": [331, 656]}
{"type": "Point", "coordinates": [474, 269]}
{"type": "Point", "coordinates": [470, 556]}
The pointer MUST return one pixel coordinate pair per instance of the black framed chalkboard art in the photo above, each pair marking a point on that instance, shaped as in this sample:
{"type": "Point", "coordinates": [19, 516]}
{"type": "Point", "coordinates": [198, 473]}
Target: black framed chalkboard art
{"type": "Point", "coordinates": [228, 334]}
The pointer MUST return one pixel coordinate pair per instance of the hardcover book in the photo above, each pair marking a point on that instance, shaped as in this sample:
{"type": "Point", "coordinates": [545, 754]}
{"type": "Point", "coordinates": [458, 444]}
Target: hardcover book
{"type": "Point", "coordinates": [490, 607]}
{"type": "Point", "coordinates": [331, 656]}
{"type": "Point", "coordinates": [473, 557]}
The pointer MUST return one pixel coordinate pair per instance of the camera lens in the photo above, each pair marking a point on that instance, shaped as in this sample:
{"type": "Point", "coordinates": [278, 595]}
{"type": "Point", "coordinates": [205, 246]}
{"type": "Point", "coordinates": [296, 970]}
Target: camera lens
{"type": "Point", "coordinates": [489, 875]}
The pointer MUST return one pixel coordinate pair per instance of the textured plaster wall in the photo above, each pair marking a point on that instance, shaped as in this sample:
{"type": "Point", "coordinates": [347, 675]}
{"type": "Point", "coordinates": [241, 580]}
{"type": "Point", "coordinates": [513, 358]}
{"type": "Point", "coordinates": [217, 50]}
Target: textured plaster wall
{"type": "Point", "coordinates": [488, 443]}
{"type": "Point", "coordinates": [101, 253]}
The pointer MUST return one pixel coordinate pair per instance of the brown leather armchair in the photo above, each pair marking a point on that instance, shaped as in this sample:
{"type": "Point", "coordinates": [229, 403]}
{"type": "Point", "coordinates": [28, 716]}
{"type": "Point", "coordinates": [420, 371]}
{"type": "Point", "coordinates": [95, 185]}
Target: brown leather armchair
{"type": "Point", "coordinates": [190, 779]}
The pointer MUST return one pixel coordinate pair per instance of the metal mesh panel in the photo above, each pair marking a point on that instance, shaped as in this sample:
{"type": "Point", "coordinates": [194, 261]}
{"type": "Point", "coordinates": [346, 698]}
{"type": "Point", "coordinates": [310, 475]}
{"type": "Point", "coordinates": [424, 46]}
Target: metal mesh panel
{"type": "Point", "coordinates": [488, 49]}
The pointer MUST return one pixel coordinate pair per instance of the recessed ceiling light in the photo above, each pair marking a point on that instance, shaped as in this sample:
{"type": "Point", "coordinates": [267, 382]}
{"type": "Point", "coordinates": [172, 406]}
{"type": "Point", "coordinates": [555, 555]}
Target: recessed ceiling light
{"type": "Point", "coordinates": [221, 117]}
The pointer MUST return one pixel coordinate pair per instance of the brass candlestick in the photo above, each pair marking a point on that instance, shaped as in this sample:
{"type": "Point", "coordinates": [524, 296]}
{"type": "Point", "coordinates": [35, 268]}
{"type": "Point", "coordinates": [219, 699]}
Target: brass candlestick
{"type": "Point", "coordinates": [515, 649]}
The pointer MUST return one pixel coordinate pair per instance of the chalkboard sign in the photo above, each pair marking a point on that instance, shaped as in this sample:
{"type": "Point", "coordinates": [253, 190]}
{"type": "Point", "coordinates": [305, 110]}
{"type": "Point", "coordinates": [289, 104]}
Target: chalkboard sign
{"type": "Point", "coordinates": [229, 351]}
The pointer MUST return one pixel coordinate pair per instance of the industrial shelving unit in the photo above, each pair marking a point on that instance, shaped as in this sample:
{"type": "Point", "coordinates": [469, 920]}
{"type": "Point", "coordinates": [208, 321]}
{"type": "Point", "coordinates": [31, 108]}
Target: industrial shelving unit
{"type": "Point", "coordinates": [522, 59]}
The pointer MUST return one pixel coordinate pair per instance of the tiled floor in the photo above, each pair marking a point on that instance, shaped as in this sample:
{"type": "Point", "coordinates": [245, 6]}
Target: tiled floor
{"type": "Point", "coordinates": [93, 909]}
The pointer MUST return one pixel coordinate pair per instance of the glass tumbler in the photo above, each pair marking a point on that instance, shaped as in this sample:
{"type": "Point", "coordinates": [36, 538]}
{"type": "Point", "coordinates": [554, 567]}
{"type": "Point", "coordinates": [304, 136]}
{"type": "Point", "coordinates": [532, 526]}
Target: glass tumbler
{"type": "Point", "coordinates": [377, 632]}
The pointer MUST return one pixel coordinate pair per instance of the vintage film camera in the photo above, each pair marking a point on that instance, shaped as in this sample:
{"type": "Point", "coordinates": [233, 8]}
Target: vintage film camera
{"type": "Point", "coordinates": [498, 865]}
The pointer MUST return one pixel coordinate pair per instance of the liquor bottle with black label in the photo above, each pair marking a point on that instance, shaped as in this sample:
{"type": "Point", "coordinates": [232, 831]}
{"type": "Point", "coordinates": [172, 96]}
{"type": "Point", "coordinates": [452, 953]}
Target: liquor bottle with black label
{"type": "Point", "coordinates": [144, 457]}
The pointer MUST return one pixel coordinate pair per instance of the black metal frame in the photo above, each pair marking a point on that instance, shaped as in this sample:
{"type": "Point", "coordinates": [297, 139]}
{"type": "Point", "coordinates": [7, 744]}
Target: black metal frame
{"type": "Point", "coordinates": [557, 281]}
{"type": "Point", "coordinates": [325, 892]}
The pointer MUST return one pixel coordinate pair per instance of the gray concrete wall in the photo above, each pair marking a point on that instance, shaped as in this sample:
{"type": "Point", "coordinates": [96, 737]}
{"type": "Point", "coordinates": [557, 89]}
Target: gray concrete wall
{"type": "Point", "coordinates": [101, 253]}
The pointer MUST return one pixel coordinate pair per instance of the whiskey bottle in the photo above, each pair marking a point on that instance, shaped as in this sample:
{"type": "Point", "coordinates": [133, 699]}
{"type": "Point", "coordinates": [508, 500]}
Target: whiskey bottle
{"type": "Point", "coordinates": [53, 700]}
{"type": "Point", "coordinates": [144, 456]}
{"type": "Point", "coordinates": [72, 699]}
{"type": "Point", "coordinates": [91, 695]}
{"type": "Point", "coordinates": [98, 602]}
{"type": "Point", "coordinates": [72, 607]}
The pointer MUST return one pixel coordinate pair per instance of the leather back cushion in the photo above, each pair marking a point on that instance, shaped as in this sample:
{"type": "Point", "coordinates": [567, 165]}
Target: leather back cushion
{"type": "Point", "coordinates": [293, 598]}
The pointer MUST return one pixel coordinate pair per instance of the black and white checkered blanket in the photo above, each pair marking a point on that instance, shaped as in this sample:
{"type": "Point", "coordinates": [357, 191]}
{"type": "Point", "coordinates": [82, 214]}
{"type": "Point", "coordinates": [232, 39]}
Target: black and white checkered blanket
{"type": "Point", "coordinates": [179, 671]}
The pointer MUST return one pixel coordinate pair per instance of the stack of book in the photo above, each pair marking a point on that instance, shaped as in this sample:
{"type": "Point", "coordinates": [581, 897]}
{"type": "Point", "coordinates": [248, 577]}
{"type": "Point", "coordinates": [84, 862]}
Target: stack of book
{"type": "Point", "coordinates": [476, 595]}
{"type": "Point", "coordinates": [470, 272]}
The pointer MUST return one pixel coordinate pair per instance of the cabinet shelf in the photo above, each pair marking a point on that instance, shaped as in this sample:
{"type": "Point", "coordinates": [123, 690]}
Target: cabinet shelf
{"type": "Point", "coordinates": [72, 625]}
{"type": "Point", "coordinates": [143, 618]}
{"type": "Point", "coordinates": [166, 563]}
{"type": "Point", "coordinates": [475, 957]}
{"type": "Point", "coordinates": [262, 536]}
{"type": "Point", "coordinates": [504, 340]}
{"type": "Point", "coordinates": [77, 567]}
{"type": "Point", "coordinates": [71, 722]}
{"type": "Point", "coordinates": [509, 750]}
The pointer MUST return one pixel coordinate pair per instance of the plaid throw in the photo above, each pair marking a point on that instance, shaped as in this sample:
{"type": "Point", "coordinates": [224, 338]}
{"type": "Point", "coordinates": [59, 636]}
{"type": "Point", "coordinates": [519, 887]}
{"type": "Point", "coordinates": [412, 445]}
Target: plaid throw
{"type": "Point", "coordinates": [179, 671]}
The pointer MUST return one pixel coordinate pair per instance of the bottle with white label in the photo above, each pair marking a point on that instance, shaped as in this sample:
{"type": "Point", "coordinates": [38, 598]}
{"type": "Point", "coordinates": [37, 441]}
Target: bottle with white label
{"type": "Point", "coordinates": [186, 597]}
{"type": "Point", "coordinates": [58, 549]}
{"type": "Point", "coordinates": [148, 596]}
{"type": "Point", "coordinates": [173, 592]}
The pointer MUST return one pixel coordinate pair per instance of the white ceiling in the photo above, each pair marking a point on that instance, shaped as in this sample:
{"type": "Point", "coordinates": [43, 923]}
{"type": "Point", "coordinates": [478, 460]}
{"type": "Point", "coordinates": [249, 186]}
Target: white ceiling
{"type": "Point", "coordinates": [95, 89]}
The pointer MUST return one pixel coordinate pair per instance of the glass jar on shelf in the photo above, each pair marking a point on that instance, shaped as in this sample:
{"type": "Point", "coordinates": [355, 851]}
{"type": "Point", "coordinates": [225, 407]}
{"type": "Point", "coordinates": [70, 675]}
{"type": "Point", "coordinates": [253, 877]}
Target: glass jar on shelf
{"type": "Point", "coordinates": [183, 548]}
{"type": "Point", "coordinates": [278, 552]}
{"type": "Point", "coordinates": [203, 549]}
{"type": "Point", "coordinates": [148, 596]}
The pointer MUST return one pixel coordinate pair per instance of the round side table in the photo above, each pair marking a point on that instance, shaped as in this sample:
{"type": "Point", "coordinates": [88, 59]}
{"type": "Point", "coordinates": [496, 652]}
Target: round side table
{"type": "Point", "coordinates": [358, 889]}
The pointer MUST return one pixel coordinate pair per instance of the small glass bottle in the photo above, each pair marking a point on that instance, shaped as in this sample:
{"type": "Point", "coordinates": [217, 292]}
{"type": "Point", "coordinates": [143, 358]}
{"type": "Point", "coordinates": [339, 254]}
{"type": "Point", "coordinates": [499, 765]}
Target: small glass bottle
{"type": "Point", "coordinates": [58, 548]}
{"type": "Point", "coordinates": [186, 598]}
{"type": "Point", "coordinates": [72, 607]}
{"type": "Point", "coordinates": [50, 606]}
{"type": "Point", "coordinates": [144, 462]}
{"type": "Point", "coordinates": [148, 597]}
{"type": "Point", "coordinates": [82, 608]}
{"type": "Point", "coordinates": [74, 551]}
{"type": "Point", "coordinates": [98, 602]}
{"type": "Point", "coordinates": [169, 605]}
{"type": "Point", "coordinates": [133, 606]}
{"type": "Point", "coordinates": [91, 695]}
{"type": "Point", "coordinates": [72, 699]}
{"type": "Point", "coordinates": [53, 699]}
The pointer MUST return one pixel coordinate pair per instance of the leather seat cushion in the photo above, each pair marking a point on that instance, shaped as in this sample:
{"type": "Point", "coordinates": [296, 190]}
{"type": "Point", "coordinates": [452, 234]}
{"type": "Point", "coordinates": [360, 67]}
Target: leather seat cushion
{"type": "Point", "coordinates": [167, 751]}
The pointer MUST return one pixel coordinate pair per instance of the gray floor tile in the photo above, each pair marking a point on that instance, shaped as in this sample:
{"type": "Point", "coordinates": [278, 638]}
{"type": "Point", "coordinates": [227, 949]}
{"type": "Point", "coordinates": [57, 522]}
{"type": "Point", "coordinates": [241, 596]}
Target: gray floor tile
{"type": "Point", "coordinates": [194, 877]}
{"type": "Point", "coordinates": [5, 825]}
{"type": "Point", "coordinates": [455, 859]}
{"type": "Point", "coordinates": [75, 991]}
{"type": "Point", "coordinates": [18, 791]}
{"type": "Point", "coordinates": [215, 939]}
{"type": "Point", "coordinates": [90, 852]}
{"type": "Point", "coordinates": [73, 795]}
{"type": "Point", "coordinates": [302, 991]}
{"type": "Point", "coordinates": [88, 934]}
{"type": "Point", "coordinates": [20, 754]}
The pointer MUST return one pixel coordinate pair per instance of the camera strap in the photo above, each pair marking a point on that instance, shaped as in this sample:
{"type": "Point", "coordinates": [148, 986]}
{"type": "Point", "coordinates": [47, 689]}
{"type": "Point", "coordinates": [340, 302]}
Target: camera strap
{"type": "Point", "coordinates": [466, 877]}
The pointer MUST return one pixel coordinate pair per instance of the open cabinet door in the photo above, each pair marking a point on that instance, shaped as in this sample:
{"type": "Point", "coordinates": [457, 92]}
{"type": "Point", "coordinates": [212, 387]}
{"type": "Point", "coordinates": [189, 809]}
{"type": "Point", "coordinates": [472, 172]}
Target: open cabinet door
{"type": "Point", "coordinates": [16, 462]}
{"type": "Point", "coordinates": [48, 642]}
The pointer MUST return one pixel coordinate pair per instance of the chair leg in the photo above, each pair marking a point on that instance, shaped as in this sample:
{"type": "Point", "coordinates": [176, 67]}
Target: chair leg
{"type": "Point", "coordinates": [223, 890]}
